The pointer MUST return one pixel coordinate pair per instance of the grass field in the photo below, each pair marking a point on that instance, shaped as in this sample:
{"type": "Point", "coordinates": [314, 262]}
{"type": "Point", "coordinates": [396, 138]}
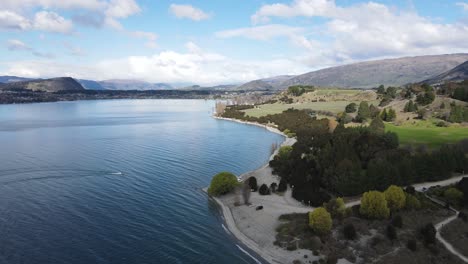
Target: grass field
{"type": "Point", "coordinates": [266, 109]}
{"type": "Point", "coordinates": [428, 134]}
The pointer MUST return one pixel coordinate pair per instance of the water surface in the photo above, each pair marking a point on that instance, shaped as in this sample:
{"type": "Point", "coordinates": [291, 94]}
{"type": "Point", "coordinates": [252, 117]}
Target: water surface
{"type": "Point", "coordinates": [119, 181]}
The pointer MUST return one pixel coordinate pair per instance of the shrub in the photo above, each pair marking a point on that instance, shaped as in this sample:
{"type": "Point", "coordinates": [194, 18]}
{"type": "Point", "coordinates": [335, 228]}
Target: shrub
{"type": "Point", "coordinates": [412, 245]}
{"type": "Point", "coordinates": [351, 108]}
{"type": "Point", "coordinates": [336, 207]}
{"type": "Point", "coordinates": [320, 221]}
{"type": "Point", "coordinates": [395, 197]}
{"type": "Point", "coordinates": [264, 190]}
{"type": "Point", "coordinates": [397, 221]}
{"type": "Point", "coordinates": [253, 183]}
{"type": "Point", "coordinates": [377, 125]}
{"type": "Point", "coordinates": [273, 187]}
{"type": "Point", "coordinates": [453, 195]}
{"type": "Point", "coordinates": [363, 112]}
{"type": "Point", "coordinates": [428, 233]}
{"type": "Point", "coordinates": [374, 205]}
{"type": "Point", "coordinates": [222, 183]}
{"type": "Point", "coordinates": [282, 186]}
{"type": "Point", "coordinates": [391, 232]}
{"type": "Point", "coordinates": [412, 202]}
{"type": "Point", "coordinates": [349, 231]}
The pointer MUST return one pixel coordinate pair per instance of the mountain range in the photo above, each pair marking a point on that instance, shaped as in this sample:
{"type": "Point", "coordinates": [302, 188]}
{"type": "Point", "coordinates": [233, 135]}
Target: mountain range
{"type": "Point", "coordinates": [389, 72]}
{"type": "Point", "coordinates": [45, 85]}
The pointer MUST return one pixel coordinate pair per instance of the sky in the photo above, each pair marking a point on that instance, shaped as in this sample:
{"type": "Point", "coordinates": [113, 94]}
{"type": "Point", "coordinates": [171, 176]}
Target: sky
{"type": "Point", "coordinates": [210, 42]}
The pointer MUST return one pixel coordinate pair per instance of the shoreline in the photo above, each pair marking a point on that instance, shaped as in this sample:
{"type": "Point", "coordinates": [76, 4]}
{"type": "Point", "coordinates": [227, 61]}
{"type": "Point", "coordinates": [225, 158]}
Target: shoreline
{"type": "Point", "coordinates": [227, 215]}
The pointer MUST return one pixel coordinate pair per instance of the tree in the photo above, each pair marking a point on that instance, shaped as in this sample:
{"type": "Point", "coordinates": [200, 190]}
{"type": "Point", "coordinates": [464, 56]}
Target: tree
{"type": "Point", "coordinates": [428, 233]}
{"type": "Point", "coordinates": [264, 190]}
{"type": "Point", "coordinates": [391, 91]}
{"type": "Point", "coordinates": [284, 152]}
{"type": "Point", "coordinates": [377, 125]}
{"type": "Point", "coordinates": [282, 186]}
{"type": "Point", "coordinates": [395, 197]}
{"type": "Point", "coordinates": [363, 112]}
{"type": "Point", "coordinates": [453, 195]}
{"type": "Point", "coordinates": [425, 98]}
{"type": "Point", "coordinates": [320, 221]}
{"type": "Point", "coordinates": [336, 207]}
{"type": "Point", "coordinates": [389, 116]}
{"type": "Point", "coordinates": [374, 111]}
{"type": "Point", "coordinates": [410, 107]}
{"type": "Point", "coordinates": [381, 89]}
{"type": "Point", "coordinates": [273, 187]}
{"type": "Point", "coordinates": [351, 108]}
{"type": "Point", "coordinates": [349, 231]}
{"type": "Point", "coordinates": [412, 202]}
{"type": "Point", "coordinates": [374, 205]}
{"type": "Point", "coordinates": [253, 183]}
{"type": "Point", "coordinates": [246, 191]}
{"type": "Point", "coordinates": [222, 183]}
{"type": "Point", "coordinates": [384, 114]}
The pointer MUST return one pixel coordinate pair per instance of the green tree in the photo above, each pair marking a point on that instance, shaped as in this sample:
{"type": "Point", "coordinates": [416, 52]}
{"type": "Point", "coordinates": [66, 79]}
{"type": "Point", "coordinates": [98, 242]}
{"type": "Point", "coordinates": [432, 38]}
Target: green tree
{"type": "Point", "coordinates": [377, 125]}
{"type": "Point", "coordinates": [284, 152]}
{"type": "Point", "coordinates": [391, 115]}
{"type": "Point", "coordinates": [391, 91]}
{"type": "Point", "coordinates": [456, 114]}
{"type": "Point", "coordinates": [320, 221]}
{"type": "Point", "coordinates": [363, 112]}
{"type": "Point", "coordinates": [222, 183]}
{"type": "Point", "coordinates": [336, 207]}
{"type": "Point", "coordinates": [374, 205]}
{"type": "Point", "coordinates": [384, 114]}
{"type": "Point", "coordinates": [412, 202]}
{"type": "Point", "coordinates": [453, 195]}
{"type": "Point", "coordinates": [396, 198]}
{"type": "Point", "coordinates": [410, 106]}
{"type": "Point", "coordinates": [381, 89]}
{"type": "Point", "coordinates": [351, 108]}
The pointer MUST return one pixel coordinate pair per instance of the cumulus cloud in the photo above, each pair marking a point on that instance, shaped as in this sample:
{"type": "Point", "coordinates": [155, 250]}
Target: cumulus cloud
{"type": "Point", "coordinates": [63, 4]}
{"type": "Point", "coordinates": [117, 9]}
{"type": "Point", "coordinates": [367, 30]}
{"type": "Point", "coordinates": [189, 12]}
{"type": "Point", "coordinates": [52, 22]}
{"type": "Point", "coordinates": [194, 65]}
{"type": "Point", "coordinates": [12, 20]}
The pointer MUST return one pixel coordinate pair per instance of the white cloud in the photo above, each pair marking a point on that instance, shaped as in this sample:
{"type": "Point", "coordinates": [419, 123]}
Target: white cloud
{"type": "Point", "coordinates": [52, 22]}
{"type": "Point", "coordinates": [366, 31]}
{"type": "Point", "coordinates": [463, 5]}
{"type": "Point", "coordinates": [188, 11]}
{"type": "Point", "coordinates": [14, 44]}
{"type": "Point", "coordinates": [120, 9]}
{"type": "Point", "coordinates": [194, 65]}
{"type": "Point", "coordinates": [64, 4]}
{"type": "Point", "coordinates": [149, 36]}
{"type": "Point", "coordinates": [12, 20]}
{"type": "Point", "coordinates": [18, 45]}
{"type": "Point", "coordinates": [265, 32]}
{"type": "Point", "coordinates": [297, 8]}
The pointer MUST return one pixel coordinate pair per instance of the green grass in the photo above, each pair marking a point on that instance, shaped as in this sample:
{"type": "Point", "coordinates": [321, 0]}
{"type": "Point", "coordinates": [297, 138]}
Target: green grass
{"type": "Point", "coordinates": [270, 109]}
{"type": "Point", "coordinates": [425, 132]}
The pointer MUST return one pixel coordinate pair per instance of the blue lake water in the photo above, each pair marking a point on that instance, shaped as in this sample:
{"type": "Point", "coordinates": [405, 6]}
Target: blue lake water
{"type": "Point", "coordinates": [119, 181]}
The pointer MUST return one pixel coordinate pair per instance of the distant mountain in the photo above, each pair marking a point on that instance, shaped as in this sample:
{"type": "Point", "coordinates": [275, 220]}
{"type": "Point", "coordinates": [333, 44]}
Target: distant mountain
{"type": "Point", "coordinates": [45, 85]}
{"type": "Point", "coordinates": [276, 81]}
{"type": "Point", "coordinates": [388, 72]}
{"type": "Point", "coordinates": [255, 85]}
{"type": "Point", "coordinates": [221, 87]}
{"type": "Point", "coordinates": [10, 79]}
{"type": "Point", "coordinates": [90, 85]}
{"type": "Point", "coordinates": [118, 84]}
{"type": "Point", "coordinates": [458, 73]}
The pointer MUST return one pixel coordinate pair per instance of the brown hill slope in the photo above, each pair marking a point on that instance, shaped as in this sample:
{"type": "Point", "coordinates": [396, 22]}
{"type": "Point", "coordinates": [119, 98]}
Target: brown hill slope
{"type": "Point", "coordinates": [46, 85]}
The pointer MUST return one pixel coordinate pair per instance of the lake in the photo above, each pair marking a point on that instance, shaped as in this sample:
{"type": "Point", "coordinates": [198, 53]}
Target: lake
{"type": "Point", "coordinates": [119, 181]}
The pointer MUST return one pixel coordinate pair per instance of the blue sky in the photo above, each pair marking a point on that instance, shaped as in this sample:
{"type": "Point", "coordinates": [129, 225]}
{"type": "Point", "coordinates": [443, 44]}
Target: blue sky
{"type": "Point", "coordinates": [213, 42]}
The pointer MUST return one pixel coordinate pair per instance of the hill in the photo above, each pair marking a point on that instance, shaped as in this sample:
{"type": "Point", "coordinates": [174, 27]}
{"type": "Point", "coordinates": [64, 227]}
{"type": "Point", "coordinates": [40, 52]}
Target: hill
{"type": "Point", "coordinates": [456, 74]}
{"type": "Point", "coordinates": [255, 85]}
{"type": "Point", "coordinates": [119, 84]}
{"type": "Point", "coordinates": [389, 72]}
{"type": "Point", "coordinates": [10, 79]}
{"type": "Point", "coordinates": [46, 85]}
{"type": "Point", "coordinates": [90, 85]}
